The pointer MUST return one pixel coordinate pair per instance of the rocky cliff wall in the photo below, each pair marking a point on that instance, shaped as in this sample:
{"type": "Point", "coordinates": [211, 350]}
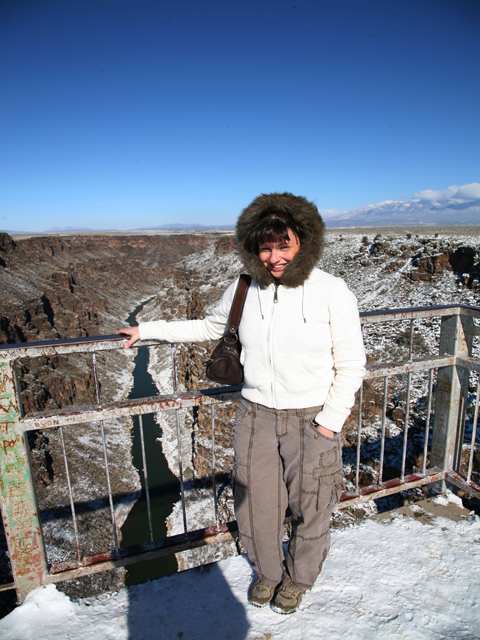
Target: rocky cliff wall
{"type": "Point", "coordinates": [73, 286]}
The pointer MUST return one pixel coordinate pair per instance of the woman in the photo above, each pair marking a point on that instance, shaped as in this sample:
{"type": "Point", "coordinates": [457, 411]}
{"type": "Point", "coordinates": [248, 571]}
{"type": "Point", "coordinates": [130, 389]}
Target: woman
{"type": "Point", "coordinates": [303, 358]}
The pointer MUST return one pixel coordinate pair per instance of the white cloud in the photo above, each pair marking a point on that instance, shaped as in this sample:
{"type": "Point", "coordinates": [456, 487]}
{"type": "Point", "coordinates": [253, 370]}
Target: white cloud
{"type": "Point", "coordinates": [468, 192]}
{"type": "Point", "coordinates": [465, 193]}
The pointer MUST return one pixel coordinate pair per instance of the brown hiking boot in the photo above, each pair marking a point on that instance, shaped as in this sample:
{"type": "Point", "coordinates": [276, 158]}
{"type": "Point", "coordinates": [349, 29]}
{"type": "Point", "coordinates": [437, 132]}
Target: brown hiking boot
{"type": "Point", "coordinates": [261, 594]}
{"type": "Point", "coordinates": [287, 600]}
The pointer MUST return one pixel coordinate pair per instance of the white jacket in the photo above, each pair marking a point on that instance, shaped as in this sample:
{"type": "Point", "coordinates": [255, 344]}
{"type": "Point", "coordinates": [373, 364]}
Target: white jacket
{"type": "Point", "coordinates": [301, 347]}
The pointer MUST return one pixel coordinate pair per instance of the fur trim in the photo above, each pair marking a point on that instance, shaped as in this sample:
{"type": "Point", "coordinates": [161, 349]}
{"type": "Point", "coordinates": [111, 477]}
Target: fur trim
{"type": "Point", "coordinates": [305, 212]}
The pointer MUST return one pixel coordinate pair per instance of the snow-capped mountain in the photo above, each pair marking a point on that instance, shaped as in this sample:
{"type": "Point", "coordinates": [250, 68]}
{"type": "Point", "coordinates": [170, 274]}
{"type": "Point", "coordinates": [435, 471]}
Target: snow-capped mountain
{"type": "Point", "coordinates": [452, 206]}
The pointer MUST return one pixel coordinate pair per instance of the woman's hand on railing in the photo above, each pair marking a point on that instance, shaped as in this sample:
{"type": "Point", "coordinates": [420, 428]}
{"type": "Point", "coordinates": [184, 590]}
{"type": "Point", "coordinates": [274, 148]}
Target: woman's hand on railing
{"type": "Point", "coordinates": [134, 334]}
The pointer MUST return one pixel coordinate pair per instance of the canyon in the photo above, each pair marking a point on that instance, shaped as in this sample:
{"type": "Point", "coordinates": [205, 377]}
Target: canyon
{"type": "Point", "coordinates": [74, 285]}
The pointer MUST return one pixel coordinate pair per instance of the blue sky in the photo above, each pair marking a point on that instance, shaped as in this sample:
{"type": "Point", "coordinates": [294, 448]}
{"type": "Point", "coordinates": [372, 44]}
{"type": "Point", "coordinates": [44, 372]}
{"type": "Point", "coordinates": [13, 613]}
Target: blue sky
{"type": "Point", "coordinates": [135, 113]}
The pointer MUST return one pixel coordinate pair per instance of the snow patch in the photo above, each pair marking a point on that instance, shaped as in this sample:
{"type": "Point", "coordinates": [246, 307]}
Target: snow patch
{"type": "Point", "coordinates": [401, 579]}
{"type": "Point", "coordinates": [448, 497]}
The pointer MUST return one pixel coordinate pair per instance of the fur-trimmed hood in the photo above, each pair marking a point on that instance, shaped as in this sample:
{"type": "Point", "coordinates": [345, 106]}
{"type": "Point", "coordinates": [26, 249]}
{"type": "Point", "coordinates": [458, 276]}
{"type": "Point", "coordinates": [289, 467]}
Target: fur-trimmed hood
{"type": "Point", "coordinates": [306, 213]}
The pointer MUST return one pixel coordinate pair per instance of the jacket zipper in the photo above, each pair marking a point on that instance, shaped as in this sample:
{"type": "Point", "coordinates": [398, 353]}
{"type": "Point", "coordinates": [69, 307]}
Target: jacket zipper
{"type": "Point", "coordinates": [270, 343]}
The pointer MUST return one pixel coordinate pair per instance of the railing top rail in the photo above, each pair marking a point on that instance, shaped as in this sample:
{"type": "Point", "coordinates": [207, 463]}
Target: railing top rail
{"type": "Point", "coordinates": [64, 347]}
{"type": "Point", "coordinates": [411, 313]}
{"type": "Point", "coordinates": [63, 341]}
{"type": "Point", "coordinates": [109, 342]}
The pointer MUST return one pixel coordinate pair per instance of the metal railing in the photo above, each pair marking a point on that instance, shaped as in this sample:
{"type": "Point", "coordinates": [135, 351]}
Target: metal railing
{"type": "Point", "coordinates": [448, 375]}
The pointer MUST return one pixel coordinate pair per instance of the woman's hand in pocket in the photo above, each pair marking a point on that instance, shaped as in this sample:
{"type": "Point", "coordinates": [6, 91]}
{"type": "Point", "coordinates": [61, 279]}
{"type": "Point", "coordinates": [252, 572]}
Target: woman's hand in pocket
{"type": "Point", "coordinates": [325, 432]}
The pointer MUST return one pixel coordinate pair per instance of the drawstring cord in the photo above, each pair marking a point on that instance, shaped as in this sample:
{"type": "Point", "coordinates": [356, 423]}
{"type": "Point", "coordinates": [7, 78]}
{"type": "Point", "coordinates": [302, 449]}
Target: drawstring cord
{"type": "Point", "coordinates": [303, 303]}
{"type": "Point", "coordinates": [260, 302]}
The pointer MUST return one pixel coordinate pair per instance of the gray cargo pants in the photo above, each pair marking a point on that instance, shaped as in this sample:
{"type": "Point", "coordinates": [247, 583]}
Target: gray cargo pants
{"type": "Point", "coordinates": [282, 460]}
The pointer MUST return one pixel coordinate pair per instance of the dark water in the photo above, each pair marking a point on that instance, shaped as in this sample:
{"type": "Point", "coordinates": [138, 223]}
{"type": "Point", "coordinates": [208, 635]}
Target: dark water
{"type": "Point", "coordinates": [163, 485]}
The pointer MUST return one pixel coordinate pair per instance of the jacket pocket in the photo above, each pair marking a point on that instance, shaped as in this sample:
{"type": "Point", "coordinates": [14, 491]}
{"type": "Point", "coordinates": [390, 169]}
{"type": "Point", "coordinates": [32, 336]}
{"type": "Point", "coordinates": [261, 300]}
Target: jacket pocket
{"type": "Point", "coordinates": [255, 370]}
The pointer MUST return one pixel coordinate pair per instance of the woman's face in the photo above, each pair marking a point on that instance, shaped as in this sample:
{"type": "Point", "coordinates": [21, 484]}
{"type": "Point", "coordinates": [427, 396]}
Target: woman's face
{"type": "Point", "coordinates": [276, 255]}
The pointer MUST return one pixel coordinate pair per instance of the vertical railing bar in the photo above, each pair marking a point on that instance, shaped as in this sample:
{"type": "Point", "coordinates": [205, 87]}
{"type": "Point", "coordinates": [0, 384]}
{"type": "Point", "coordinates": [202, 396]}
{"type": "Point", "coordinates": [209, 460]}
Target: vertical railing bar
{"type": "Point", "coordinates": [464, 416]}
{"type": "Point", "coordinates": [145, 477]}
{"type": "Point", "coordinates": [357, 469]}
{"type": "Point", "coordinates": [461, 431]}
{"type": "Point", "coordinates": [410, 348]}
{"type": "Point", "coordinates": [214, 486]}
{"type": "Point", "coordinates": [427, 423]}
{"type": "Point", "coordinates": [180, 470]}
{"type": "Point", "coordinates": [179, 444]}
{"type": "Point", "coordinates": [18, 391]}
{"type": "Point", "coordinates": [405, 430]}
{"type": "Point", "coordinates": [382, 442]}
{"type": "Point", "coordinates": [95, 377]}
{"type": "Point", "coordinates": [109, 488]}
{"type": "Point", "coordinates": [474, 434]}
{"type": "Point", "coordinates": [174, 368]}
{"type": "Point", "coordinates": [70, 497]}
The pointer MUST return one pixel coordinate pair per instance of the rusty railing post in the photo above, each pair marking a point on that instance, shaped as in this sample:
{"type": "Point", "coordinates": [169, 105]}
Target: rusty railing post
{"type": "Point", "coordinates": [456, 338]}
{"type": "Point", "coordinates": [17, 496]}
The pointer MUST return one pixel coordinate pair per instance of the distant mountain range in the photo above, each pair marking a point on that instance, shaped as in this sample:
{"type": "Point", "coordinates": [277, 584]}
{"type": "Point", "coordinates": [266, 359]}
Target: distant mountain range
{"type": "Point", "coordinates": [67, 229]}
{"type": "Point", "coordinates": [457, 205]}
{"type": "Point", "coordinates": [188, 227]}
{"type": "Point", "coordinates": [415, 212]}
{"type": "Point", "coordinates": [163, 227]}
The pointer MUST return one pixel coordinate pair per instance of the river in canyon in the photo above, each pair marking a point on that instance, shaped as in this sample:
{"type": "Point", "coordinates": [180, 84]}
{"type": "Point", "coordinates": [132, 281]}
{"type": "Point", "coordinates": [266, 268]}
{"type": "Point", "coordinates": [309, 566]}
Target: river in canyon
{"type": "Point", "coordinates": [163, 485]}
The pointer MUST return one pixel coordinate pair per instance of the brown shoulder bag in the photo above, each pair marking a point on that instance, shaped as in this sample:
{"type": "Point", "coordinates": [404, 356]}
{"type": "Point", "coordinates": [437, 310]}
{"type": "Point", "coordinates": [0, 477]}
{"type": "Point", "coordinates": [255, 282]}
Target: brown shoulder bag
{"type": "Point", "coordinates": [224, 363]}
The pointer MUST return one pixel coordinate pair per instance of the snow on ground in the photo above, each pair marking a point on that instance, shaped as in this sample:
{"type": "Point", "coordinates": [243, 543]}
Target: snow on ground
{"type": "Point", "coordinates": [399, 579]}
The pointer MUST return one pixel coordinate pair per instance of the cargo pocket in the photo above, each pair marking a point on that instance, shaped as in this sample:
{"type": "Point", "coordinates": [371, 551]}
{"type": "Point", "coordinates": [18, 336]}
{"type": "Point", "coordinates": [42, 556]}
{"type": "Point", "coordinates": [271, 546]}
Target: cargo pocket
{"type": "Point", "coordinates": [330, 487]}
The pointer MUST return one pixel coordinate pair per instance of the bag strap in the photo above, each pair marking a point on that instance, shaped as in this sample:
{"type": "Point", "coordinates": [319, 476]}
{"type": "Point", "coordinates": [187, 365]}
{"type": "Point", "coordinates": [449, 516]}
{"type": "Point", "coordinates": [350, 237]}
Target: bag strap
{"type": "Point", "coordinates": [238, 303]}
